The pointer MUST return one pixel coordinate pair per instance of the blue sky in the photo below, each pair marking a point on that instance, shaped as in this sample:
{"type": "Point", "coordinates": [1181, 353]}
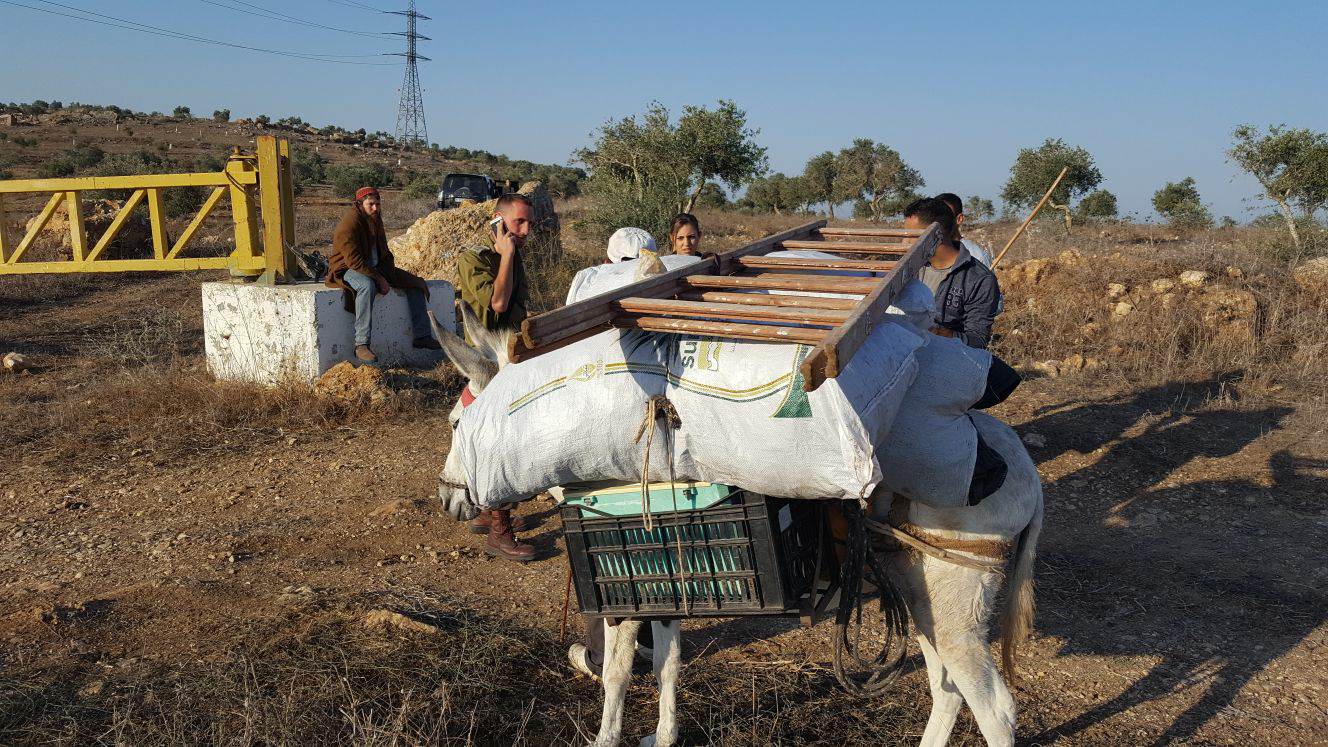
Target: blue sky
{"type": "Point", "coordinates": [1151, 89]}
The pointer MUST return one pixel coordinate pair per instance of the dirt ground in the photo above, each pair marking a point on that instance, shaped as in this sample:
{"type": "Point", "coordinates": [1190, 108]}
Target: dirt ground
{"type": "Point", "coordinates": [1181, 574]}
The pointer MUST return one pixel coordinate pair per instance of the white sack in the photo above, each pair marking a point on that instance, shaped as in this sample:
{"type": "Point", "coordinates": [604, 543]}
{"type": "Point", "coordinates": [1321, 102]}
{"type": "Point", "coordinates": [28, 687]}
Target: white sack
{"type": "Point", "coordinates": [593, 281]}
{"type": "Point", "coordinates": [929, 453]}
{"type": "Point", "coordinates": [572, 415]}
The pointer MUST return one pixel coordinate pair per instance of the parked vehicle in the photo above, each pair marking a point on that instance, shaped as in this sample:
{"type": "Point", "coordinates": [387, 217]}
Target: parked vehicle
{"type": "Point", "coordinates": [459, 189]}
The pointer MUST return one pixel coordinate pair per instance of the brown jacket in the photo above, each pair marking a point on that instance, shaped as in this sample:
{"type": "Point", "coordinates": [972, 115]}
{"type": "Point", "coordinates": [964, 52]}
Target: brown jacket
{"type": "Point", "coordinates": [353, 243]}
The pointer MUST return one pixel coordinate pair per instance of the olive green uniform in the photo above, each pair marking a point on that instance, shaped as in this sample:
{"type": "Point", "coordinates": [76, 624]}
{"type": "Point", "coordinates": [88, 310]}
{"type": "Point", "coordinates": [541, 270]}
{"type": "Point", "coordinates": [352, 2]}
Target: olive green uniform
{"type": "Point", "coordinates": [477, 270]}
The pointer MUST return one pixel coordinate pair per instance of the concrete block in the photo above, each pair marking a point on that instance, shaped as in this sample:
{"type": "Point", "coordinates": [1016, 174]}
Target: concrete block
{"type": "Point", "coordinates": [271, 334]}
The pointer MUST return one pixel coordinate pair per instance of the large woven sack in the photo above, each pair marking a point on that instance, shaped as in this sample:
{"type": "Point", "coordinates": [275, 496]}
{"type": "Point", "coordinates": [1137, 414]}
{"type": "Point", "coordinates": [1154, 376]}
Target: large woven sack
{"type": "Point", "coordinates": [929, 452]}
{"type": "Point", "coordinates": [574, 415]}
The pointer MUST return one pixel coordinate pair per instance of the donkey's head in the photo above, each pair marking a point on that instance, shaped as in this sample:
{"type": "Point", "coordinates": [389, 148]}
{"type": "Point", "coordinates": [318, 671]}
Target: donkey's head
{"type": "Point", "coordinates": [479, 365]}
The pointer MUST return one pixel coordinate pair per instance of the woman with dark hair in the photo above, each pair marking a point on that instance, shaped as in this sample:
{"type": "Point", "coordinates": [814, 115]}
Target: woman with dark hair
{"type": "Point", "coordinates": [362, 266]}
{"type": "Point", "coordinates": [685, 234]}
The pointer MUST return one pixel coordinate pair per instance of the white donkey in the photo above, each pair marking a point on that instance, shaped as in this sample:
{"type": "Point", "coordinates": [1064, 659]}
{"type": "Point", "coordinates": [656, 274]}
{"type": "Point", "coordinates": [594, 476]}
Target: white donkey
{"type": "Point", "coordinates": [951, 603]}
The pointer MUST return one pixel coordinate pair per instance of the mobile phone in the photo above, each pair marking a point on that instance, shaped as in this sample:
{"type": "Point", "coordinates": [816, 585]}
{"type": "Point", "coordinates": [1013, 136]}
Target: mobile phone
{"type": "Point", "coordinates": [496, 222]}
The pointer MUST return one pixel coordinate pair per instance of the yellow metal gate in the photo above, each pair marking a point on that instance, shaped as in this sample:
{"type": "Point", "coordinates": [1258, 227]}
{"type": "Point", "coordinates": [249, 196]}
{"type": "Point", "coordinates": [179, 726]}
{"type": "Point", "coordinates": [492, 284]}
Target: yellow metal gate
{"type": "Point", "coordinates": [262, 205]}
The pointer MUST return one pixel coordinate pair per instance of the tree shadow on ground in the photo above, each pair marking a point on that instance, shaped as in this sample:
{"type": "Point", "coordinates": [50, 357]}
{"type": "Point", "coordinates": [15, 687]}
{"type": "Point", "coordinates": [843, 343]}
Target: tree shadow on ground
{"type": "Point", "coordinates": [1200, 574]}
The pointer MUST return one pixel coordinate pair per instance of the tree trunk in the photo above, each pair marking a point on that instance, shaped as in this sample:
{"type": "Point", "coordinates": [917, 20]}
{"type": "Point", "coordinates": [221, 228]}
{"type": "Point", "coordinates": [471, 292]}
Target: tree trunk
{"type": "Point", "coordinates": [1291, 225]}
{"type": "Point", "coordinates": [1069, 221]}
{"type": "Point", "coordinates": [830, 207]}
{"type": "Point", "coordinates": [691, 201]}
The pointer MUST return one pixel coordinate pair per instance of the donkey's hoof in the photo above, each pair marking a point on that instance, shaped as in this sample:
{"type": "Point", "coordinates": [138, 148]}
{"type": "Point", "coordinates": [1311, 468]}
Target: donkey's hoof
{"type": "Point", "coordinates": [652, 740]}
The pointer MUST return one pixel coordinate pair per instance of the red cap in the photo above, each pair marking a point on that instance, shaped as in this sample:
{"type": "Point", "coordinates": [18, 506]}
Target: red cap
{"type": "Point", "coordinates": [364, 192]}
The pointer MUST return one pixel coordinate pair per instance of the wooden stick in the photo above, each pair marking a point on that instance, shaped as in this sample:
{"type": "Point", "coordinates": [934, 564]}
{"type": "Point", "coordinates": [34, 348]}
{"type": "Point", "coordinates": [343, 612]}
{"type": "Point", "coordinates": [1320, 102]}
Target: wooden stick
{"type": "Point", "coordinates": [797, 263]}
{"type": "Point", "coordinates": [1031, 216]}
{"type": "Point", "coordinates": [518, 351]}
{"type": "Point", "coordinates": [739, 330]}
{"type": "Point", "coordinates": [874, 247]}
{"type": "Point", "coordinates": [832, 355]}
{"type": "Point", "coordinates": [728, 260]}
{"type": "Point", "coordinates": [725, 311]}
{"type": "Point", "coordinates": [911, 233]}
{"type": "Point", "coordinates": [771, 281]}
{"type": "Point", "coordinates": [760, 299]}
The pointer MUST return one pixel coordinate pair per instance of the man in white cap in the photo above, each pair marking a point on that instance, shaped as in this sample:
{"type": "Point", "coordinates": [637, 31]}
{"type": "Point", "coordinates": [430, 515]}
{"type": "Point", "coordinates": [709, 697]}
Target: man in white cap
{"type": "Point", "coordinates": [627, 243]}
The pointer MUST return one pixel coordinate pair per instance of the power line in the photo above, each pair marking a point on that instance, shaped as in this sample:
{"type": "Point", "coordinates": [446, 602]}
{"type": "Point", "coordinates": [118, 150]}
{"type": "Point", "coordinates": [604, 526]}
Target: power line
{"type": "Point", "coordinates": [262, 12]}
{"type": "Point", "coordinates": [353, 4]}
{"type": "Point", "coordinates": [124, 23]}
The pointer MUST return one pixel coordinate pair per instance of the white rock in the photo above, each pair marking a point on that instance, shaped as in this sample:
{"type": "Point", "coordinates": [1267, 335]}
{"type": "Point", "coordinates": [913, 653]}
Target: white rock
{"type": "Point", "coordinates": [15, 362]}
{"type": "Point", "coordinates": [1122, 309]}
{"type": "Point", "coordinates": [1162, 285]}
{"type": "Point", "coordinates": [1194, 278]}
{"type": "Point", "coordinates": [1115, 291]}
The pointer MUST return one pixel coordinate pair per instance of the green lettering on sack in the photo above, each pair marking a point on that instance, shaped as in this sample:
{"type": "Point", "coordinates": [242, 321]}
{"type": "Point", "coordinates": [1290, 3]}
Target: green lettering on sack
{"type": "Point", "coordinates": [796, 403]}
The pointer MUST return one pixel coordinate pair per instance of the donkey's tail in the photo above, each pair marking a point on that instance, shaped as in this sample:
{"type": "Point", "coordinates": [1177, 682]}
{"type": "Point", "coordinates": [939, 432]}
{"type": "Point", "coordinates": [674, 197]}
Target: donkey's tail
{"type": "Point", "coordinates": [1017, 616]}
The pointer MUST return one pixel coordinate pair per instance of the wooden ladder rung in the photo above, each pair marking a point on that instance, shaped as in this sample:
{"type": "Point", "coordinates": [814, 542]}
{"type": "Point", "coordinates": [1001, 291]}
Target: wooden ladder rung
{"type": "Point", "coordinates": [761, 299]}
{"type": "Point", "coordinates": [733, 311]}
{"type": "Point", "coordinates": [740, 330]}
{"type": "Point", "coordinates": [855, 247]}
{"type": "Point", "coordinates": [909, 233]}
{"type": "Point", "coordinates": [775, 281]}
{"type": "Point", "coordinates": [797, 263]}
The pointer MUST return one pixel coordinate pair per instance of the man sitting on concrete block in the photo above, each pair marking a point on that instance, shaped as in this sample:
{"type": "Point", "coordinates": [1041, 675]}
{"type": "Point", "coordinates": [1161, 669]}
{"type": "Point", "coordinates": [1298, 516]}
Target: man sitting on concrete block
{"type": "Point", "coordinates": [363, 267]}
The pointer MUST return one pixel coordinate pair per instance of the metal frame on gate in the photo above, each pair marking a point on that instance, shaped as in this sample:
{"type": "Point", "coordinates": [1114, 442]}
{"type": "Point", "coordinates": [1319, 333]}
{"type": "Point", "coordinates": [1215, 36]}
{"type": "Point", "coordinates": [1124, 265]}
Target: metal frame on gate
{"type": "Point", "coordinates": [262, 204]}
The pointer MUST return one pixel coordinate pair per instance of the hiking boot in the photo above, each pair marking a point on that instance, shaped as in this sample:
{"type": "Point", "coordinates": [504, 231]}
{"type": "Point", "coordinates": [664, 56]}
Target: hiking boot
{"type": "Point", "coordinates": [480, 524]}
{"type": "Point", "coordinates": [426, 343]}
{"type": "Point", "coordinates": [502, 543]}
{"type": "Point", "coordinates": [579, 656]}
{"type": "Point", "coordinates": [364, 354]}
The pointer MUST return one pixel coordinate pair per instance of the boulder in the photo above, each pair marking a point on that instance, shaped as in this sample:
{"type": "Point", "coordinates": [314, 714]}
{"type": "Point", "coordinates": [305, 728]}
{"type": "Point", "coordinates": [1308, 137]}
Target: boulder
{"type": "Point", "coordinates": [1163, 285]}
{"type": "Point", "coordinates": [132, 241]}
{"type": "Point", "coordinates": [1115, 291]}
{"type": "Point", "coordinates": [1122, 309]}
{"type": "Point", "coordinates": [16, 362]}
{"type": "Point", "coordinates": [1230, 311]}
{"type": "Point", "coordinates": [1312, 275]}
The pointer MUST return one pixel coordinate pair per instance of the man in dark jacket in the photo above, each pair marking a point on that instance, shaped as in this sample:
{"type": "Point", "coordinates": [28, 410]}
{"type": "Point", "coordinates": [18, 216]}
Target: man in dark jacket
{"type": "Point", "coordinates": [966, 291]}
{"type": "Point", "coordinates": [363, 267]}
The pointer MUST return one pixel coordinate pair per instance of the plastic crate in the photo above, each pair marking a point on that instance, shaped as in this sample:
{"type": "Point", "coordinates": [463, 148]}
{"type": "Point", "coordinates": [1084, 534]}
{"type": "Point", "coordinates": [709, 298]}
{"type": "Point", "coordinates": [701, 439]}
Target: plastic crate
{"type": "Point", "coordinates": [746, 555]}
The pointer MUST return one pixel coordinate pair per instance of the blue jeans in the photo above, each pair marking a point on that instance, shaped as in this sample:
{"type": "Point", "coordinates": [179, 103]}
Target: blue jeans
{"type": "Point", "coordinates": [365, 291]}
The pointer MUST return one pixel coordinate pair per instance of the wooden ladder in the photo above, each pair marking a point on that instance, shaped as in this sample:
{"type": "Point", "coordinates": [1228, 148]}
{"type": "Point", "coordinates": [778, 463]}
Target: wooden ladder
{"type": "Point", "coordinates": [723, 296]}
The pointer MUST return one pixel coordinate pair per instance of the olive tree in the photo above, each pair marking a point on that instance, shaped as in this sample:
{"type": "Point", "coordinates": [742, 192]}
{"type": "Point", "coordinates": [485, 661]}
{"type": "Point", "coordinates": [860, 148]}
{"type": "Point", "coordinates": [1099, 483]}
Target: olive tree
{"type": "Point", "coordinates": [1292, 167]}
{"type": "Point", "coordinates": [819, 177]}
{"type": "Point", "coordinates": [1098, 205]}
{"type": "Point", "coordinates": [1035, 169]}
{"type": "Point", "coordinates": [978, 208]}
{"type": "Point", "coordinates": [1180, 204]}
{"type": "Point", "coordinates": [643, 169]}
{"type": "Point", "coordinates": [873, 173]}
{"type": "Point", "coordinates": [776, 194]}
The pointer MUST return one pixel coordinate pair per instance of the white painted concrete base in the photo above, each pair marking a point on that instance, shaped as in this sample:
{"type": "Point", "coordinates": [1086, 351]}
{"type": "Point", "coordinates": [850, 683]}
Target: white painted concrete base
{"type": "Point", "coordinates": [271, 334]}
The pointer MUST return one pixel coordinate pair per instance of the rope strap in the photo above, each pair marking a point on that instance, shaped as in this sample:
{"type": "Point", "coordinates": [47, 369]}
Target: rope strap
{"type": "Point", "coordinates": [991, 563]}
{"type": "Point", "coordinates": [658, 406]}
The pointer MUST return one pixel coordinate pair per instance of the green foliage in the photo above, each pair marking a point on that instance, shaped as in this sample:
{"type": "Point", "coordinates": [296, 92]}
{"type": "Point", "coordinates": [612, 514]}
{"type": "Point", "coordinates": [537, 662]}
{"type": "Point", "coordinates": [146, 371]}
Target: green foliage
{"type": "Point", "coordinates": [182, 112]}
{"type": "Point", "coordinates": [978, 208]}
{"type": "Point", "coordinates": [1035, 169]}
{"type": "Point", "coordinates": [307, 167]}
{"type": "Point", "coordinates": [346, 178]}
{"type": "Point", "coordinates": [1180, 204]}
{"type": "Point", "coordinates": [178, 201]}
{"type": "Point", "coordinates": [71, 162]}
{"type": "Point", "coordinates": [221, 115]}
{"type": "Point", "coordinates": [421, 186]}
{"type": "Point", "coordinates": [875, 174]}
{"type": "Point", "coordinates": [642, 168]}
{"type": "Point", "coordinates": [776, 194]}
{"type": "Point", "coordinates": [1098, 205]}
{"type": "Point", "coordinates": [712, 196]}
{"type": "Point", "coordinates": [25, 142]}
{"type": "Point", "coordinates": [209, 162]}
{"type": "Point", "coordinates": [819, 177]}
{"type": "Point", "coordinates": [1292, 167]}
{"type": "Point", "coordinates": [263, 120]}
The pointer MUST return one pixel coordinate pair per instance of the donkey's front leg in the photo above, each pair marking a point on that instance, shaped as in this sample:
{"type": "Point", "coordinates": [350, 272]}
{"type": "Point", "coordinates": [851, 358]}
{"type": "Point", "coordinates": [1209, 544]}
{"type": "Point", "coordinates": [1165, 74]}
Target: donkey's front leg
{"type": "Point", "coordinates": [667, 638]}
{"type": "Point", "coordinates": [619, 648]}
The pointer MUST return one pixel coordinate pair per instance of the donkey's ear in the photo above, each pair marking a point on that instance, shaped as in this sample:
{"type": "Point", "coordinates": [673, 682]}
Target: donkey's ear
{"type": "Point", "coordinates": [492, 344]}
{"type": "Point", "coordinates": [478, 369]}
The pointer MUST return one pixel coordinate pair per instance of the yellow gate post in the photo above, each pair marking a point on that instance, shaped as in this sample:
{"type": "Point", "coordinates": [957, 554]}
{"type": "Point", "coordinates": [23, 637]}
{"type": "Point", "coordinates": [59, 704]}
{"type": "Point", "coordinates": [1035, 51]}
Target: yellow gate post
{"type": "Point", "coordinates": [270, 196]}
